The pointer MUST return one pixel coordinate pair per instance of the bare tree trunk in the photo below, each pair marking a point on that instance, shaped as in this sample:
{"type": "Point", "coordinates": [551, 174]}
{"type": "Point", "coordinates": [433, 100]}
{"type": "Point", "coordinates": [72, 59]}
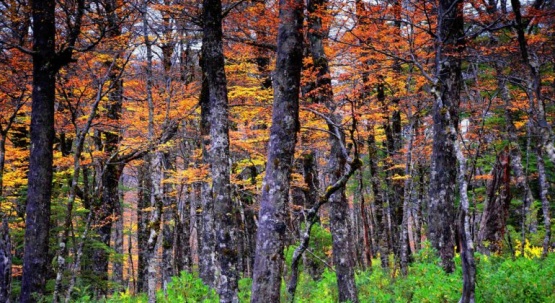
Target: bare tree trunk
{"type": "Point", "coordinates": [144, 183]}
{"type": "Point", "coordinates": [443, 178]}
{"type": "Point", "coordinates": [268, 265]}
{"type": "Point", "coordinates": [117, 265]}
{"type": "Point", "coordinates": [340, 223]}
{"type": "Point", "coordinates": [366, 230]}
{"type": "Point", "coordinates": [224, 221]}
{"type": "Point", "coordinates": [5, 262]}
{"type": "Point", "coordinates": [405, 227]}
{"type": "Point", "coordinates": [496, 210]}
{"type": "Point", "coordinates": [544, 188]}
{"type": "Point", "coordinates": [467, 245]}
{"type": "Point", "coordinates": [37, 223]}
{"type": "Point", "coordinates": [380, 212]}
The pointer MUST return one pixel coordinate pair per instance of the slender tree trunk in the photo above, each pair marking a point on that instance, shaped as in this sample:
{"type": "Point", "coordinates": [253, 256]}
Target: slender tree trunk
{"type": "Point", "coordinates": [496, 210]}
{"type": "Point", "coordinates": [156, 172]}
{"type": "Point", "coordinates": [5, 240]}
{"type": "Point", "coordinates": [521, 178]}
{"type": "Point", "coordinates": [67, 228]}
{"type": "Point", "coordinates": [405, 226]}
{"type": "Point", "coordinates": [381, 215]}
{"type": "Point", "coordinates": [544, 188]}
{"type": "Point", "coordinates": [117, 265]}
{"type": "Point", "coordinates": [171, 222]}
{"type": "Point", "coordinates": [340, 224]}
{"type": "Point", "coordinates": [449, 43]}
{"type": "Point", "coordinates": [5, 262]}
{"type": "Point", "coordinates": [467, 245]}
{"type": "Point", "coordinates": [366, 229]}
{"type": "Point", "coordinates": [143, 204]}
{"type": "Point", "coordinates": [268, 265]}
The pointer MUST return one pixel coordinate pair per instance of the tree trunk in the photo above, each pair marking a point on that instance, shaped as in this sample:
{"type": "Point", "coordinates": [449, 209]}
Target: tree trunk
{"type": "Point", "coordinates": [405, 225]}
{"type": "Point", "coordinates": [5, 262]}
{"type": "Point", "coordinates": [37, 223]}
{"type": "Point", "coordinates": [268, 265]}
{"type": "Point", "coordinates": [144, 183]}
{"type": "Point", "coordinates": [544, 188]}
{"type": "Point", "coordinates": [496, 210]}
{"type": "Point", "coordinates": [224, 221]}
{"type": "Point", "coordinates": [467, 245]}
{"type": "Point", "coordinates": [340, 224]}
{"type": "Point", "coordinates": [206, 232]}
{"type": "Point", "coordinates": [380, 212]}
{"type": "Point", "coordinates": [445, 115]}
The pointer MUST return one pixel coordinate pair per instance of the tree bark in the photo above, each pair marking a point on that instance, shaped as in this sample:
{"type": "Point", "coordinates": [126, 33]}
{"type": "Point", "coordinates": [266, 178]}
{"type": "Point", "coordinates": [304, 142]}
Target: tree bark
{"type": "Point", "coordinates": [224, 221]}
{"type": "Point", "coordinates": [449, 43]}
{"type": "Point", "coordinates": [544, 188]}
{"type": "Point", "coordinates": [5, 262]}
{"type": "Point", "coordinates": [496, 210]}
{"type": "Point", "coordinates": [37, 223]}
{"type": "Point", "coordinates": [467, 245]}
{"type": "Point", "coordinates": [380, 212]}
{"type": "Point", "coordinates": [340, 224]}
{"type": "Point", "coordinates": [268, 265]}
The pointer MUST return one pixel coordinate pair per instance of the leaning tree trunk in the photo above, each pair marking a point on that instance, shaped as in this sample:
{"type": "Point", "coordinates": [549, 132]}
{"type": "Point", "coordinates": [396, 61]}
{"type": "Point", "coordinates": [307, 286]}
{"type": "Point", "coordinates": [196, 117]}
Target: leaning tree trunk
{"type": "Point", "coordinates": [268, 264]}
{"type": "Point", "coordinates": [447, 88]}
{"type": "Point", "coordinates": [224, 221]}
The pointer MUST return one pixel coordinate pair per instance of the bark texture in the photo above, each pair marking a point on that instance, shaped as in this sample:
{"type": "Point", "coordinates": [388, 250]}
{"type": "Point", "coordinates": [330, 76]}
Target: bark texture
{"type": "Point", "coordinates": [37, 223]}
{"type": "Point", "coordinates": [5, 262]}
{"type": "Point", "coordinates": [443, 178]}
{"type": "Point", "coordinates": [213, 56]}
{"type": "Point", "coordinates": [496, 211]}
{"type": "Point", "coordinates": [268, 265]}
{"type": "Point", "coordinates": [340, 224]}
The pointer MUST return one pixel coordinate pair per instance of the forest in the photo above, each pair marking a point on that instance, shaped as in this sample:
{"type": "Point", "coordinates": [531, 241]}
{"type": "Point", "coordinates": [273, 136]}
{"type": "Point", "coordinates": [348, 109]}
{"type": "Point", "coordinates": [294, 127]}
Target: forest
{"type": "Point", "coordinates": [277, 151]}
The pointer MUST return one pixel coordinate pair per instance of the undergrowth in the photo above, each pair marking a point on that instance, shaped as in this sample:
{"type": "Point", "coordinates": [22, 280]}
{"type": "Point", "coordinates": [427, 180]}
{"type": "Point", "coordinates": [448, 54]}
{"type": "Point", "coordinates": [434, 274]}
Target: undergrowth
{"type": "Point", "coordinates": [499, 279]}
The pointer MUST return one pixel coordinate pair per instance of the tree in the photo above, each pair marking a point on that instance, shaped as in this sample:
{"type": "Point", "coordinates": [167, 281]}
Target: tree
{"type": "Point", "coordinates": [46, 64]}
{"type": "Point", "coordinates": [268, 264]}
{"type": "Point", "coordinates": [213, 67]}
{"type": "Point", "coordinates": [449, 43]}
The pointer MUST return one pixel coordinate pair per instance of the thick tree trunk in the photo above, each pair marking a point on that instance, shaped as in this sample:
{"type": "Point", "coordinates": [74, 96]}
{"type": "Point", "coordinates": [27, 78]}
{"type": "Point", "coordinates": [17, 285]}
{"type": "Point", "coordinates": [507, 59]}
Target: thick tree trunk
{"type": "Point", "coordinates": [37, 223]}
{"type": "Point", "coordinates": [206, 232]}
{"type": "Point", "coordinates": [224, 221]}
{"type": "Point", "coordinates": [268, 265]}
{"type": "Point", "coordinates": [441, 215]}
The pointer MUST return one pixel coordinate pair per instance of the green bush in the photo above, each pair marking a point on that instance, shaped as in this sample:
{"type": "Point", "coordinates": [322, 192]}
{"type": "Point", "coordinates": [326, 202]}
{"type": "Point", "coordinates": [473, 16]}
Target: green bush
{"type": "Point", "coordinates": [498, 280]}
